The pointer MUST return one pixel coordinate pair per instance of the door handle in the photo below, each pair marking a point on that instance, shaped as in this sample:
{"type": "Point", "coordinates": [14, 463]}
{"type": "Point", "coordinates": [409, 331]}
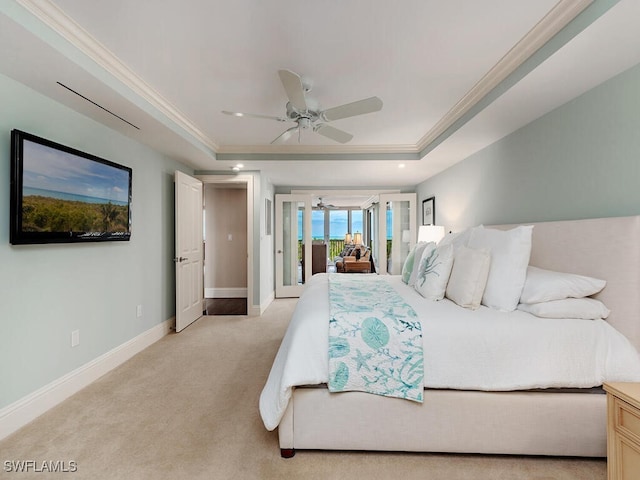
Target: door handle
{"type": "Point", "coordinates": [279, 251]}
{"type": "Point", "coordinates": [180, 259]}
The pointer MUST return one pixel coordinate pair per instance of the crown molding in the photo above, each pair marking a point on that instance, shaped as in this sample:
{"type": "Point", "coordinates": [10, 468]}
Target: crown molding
{"type": "Point", "coordinates": [321, 156]}
{"type": "Point", "coordinates": [52, 16]}
{"type": "Point", "coordinates": [554, 21]}
{"type": "Point", "coordinates": [315, 149]}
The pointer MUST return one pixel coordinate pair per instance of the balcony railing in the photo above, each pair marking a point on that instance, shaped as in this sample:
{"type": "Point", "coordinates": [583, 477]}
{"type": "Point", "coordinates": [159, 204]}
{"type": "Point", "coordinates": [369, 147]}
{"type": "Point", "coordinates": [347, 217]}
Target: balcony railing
{"type": "Point", "coordinates": [336, 247]}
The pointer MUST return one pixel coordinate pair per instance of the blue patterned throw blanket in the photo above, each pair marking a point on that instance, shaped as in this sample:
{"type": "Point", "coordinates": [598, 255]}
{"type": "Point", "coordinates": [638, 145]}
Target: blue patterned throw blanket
{"type": "Point", "coordinates": [375, 339]}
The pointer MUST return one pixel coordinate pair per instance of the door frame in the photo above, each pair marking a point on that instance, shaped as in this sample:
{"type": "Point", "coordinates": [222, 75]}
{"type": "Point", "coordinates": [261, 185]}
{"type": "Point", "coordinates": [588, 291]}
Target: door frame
{"type": "Point", "coordinates": [252, 310]}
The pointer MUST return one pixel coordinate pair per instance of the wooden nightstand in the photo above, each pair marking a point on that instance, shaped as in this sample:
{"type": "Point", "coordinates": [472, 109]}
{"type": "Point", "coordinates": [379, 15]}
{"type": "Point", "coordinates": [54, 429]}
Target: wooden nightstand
{"type": "Point", "coordinates": [623, 430]}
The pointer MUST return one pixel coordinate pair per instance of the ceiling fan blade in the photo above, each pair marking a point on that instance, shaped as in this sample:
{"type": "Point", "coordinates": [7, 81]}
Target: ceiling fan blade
{"type": "Point", "coordinates": [294, 89]}
{"type": "Point", "coordinates": [368, 105]}
{"type": "Point", "coordinates": [333, 133]}
{"type": "Point", "coordinates": [254, 115]}
{"type": "Point", "coordinates": [286, 135]}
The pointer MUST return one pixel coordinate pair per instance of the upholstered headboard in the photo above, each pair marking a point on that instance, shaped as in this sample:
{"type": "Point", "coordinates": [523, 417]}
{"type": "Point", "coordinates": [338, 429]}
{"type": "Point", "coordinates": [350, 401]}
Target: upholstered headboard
{"type": "Point", "coordinates": [606, 248]}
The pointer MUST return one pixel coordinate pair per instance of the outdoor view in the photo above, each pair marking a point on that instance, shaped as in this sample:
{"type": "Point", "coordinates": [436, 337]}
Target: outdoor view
{"type": "Point", "coordinates": [68, 193]}
{"type": "Point", "coordinates": [338, 227]}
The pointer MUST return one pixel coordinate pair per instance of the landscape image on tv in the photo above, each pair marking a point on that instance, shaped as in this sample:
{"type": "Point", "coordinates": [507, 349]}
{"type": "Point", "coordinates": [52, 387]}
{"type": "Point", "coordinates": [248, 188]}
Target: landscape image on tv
{"type": "Point", "coordinates": [63, 192]}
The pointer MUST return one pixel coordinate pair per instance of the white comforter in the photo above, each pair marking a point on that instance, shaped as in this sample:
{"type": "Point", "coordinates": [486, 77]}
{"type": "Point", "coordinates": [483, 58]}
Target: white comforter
{"type": "Point", "coordinates": [463, 349]}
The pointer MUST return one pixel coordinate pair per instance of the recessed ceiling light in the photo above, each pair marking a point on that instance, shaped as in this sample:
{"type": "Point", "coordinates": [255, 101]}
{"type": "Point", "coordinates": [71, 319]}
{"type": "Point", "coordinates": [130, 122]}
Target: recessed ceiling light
{"type": "Point", "coordinates": [401, 165]}
{"type": "Point", "coordinates": [239, 165]}
{"type": "Point", "coordinates": [235, 169]}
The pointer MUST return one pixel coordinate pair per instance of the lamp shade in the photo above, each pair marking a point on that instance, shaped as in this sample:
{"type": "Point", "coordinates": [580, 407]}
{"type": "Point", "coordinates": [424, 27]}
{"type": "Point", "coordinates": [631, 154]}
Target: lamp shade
{"type": "Point", "coordinates": [347, 239]}
{"type": "Point", "coordinates": [430, 233]}
{"type": "Point", "coordinates": [357, 238]}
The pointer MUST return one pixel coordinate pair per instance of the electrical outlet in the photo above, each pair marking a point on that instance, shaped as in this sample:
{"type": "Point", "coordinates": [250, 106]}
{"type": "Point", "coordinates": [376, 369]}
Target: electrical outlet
{"type": "Point", "coordinates": [139, 311]}
{"type": "Point", "coordinates": [75, 338]}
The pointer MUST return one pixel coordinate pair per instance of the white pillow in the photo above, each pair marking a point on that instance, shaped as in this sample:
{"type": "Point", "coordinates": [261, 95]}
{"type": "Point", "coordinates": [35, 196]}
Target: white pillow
{"type": "Point", "coordinates": [416, 259]}
{"type": "Point", "coordinates": [457, 239]}
{"type": "Point", "coordinates": [468, 277]}
{"type": "Point", "coordinates": [407, 267]}
{"type": "Point", "coordinates": [434, 269]}
{"type": "Point", "coordinates": [584, 308]}
{"type": "Point", "coordinates": [545, 285]}
{"type": "Point", "coordinates": [510, 252]}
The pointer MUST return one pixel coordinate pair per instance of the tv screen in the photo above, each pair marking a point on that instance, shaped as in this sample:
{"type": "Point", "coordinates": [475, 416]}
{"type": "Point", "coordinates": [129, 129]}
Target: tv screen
{"type": "Point", "coordinates": [61, 195]}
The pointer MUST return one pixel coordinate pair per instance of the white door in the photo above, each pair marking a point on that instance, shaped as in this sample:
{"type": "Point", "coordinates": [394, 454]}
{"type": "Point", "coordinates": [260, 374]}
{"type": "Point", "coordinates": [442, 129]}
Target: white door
{"type": "Point", "coordinates": [397, 231]}
{"type": "Point", "coordinates": [189, 250]}
{"type": "Point", "coordinates": [292, 234]}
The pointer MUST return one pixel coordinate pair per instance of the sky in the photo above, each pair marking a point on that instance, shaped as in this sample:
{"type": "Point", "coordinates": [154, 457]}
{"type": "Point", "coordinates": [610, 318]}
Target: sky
{"type": "Point", "coordinates": [337, 223]}
{"type": "Point", "coordinates": [58, 171]}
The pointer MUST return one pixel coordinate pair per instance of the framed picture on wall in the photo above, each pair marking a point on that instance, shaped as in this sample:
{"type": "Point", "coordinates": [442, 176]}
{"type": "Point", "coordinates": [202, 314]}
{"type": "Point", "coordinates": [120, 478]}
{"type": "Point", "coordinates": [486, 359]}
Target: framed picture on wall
{"type": "Point", "coordinates": [267, 216]}
{"type": "Point", "coordinates": [429, 211]}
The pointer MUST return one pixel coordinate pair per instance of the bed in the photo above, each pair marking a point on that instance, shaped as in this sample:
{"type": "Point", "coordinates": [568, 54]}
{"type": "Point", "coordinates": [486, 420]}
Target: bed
{"type": "Point", "coordinates": [558, 419]}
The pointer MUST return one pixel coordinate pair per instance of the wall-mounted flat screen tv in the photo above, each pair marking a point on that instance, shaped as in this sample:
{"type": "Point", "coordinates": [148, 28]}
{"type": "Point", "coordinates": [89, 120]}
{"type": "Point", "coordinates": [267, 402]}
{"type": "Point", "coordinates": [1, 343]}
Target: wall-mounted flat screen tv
{"type": "Point", "coordinates": [61, 195]}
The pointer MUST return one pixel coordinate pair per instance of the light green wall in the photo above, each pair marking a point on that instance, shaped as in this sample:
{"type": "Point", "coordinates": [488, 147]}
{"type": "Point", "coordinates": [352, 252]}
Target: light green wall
{"type": "Point", "coordinates": [47, 291]}
{"type": "Point", "coordinates": [581, 160]}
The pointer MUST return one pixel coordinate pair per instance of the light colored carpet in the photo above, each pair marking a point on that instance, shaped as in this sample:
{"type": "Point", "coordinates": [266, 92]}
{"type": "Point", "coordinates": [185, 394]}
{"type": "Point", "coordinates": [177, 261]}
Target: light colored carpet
{"type": "Point", "coordinates": [187, 408]}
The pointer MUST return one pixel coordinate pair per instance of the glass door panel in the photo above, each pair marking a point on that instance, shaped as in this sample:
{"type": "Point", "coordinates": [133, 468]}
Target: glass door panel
{"type": "Point", "coordinates": [374, 235]}
{"type": "Point", "coordinates": [397, 230]}
{"type": "Point", "coordinates": [338, 228]}
{"type": "Point", "coordinates": [293, 231]}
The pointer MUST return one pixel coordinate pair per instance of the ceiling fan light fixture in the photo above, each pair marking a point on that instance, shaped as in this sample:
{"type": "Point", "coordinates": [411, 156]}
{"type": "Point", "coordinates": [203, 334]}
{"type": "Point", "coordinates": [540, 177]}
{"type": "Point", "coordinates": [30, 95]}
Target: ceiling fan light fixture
{"type": "Point", "coordinates": [304, 123]}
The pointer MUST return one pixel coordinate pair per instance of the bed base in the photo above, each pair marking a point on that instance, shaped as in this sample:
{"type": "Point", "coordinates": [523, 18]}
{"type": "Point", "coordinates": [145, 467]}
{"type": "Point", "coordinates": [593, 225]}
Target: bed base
{"type": "Point", "coordinates": [524, 423]}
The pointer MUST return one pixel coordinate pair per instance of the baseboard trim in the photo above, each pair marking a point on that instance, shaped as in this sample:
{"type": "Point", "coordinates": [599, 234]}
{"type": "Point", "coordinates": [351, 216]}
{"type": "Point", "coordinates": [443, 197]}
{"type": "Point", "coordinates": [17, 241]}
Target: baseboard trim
{"type": "Point", "coordinates": [225, 293]}
{"type": "Point", "coordinates": [23, 411]}
{"type": "Point", "coordinates": [264, 305]}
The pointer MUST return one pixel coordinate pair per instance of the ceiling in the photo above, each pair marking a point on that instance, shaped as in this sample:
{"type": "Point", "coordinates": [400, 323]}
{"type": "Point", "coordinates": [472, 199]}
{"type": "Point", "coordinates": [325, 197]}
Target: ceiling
{"type": "Point", "coordinates": [453, 76]}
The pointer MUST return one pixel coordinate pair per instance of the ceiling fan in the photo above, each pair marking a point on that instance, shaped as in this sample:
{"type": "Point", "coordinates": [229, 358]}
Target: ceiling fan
{"type": "Point", "coordinates": [306, 117]}
{"type": "Point", "coordinates": [322, 206]}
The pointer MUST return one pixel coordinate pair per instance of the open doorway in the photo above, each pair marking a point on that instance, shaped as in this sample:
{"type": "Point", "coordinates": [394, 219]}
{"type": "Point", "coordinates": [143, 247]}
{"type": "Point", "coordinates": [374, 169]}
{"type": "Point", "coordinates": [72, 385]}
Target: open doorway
{"type": "Point", "coordinates": [226, 238]}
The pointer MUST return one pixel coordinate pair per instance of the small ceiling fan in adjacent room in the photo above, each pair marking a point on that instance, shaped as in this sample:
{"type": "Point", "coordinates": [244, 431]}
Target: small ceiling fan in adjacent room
{"type": "Point", "coordinates": [324, 206]}
{"type": "Point", "coordinates": [300, 110]}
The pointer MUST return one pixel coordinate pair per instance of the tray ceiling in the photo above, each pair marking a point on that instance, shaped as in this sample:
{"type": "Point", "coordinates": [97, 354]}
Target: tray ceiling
{"type": "Point", "coordinates": [454, 76]}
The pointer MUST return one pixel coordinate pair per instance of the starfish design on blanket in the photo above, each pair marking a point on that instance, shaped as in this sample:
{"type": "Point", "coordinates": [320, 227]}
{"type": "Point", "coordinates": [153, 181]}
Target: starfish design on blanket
{"type": "Point", "coordinates": [362, 359]}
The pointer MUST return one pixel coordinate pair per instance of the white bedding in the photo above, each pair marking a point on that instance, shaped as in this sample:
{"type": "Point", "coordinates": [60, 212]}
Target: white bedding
{"type": "Point", "coordinates": [463, 349]}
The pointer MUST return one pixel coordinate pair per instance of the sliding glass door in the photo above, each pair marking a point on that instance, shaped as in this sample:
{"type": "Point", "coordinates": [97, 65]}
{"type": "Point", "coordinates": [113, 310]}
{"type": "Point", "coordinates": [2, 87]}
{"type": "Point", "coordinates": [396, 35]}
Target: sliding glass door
{"type": "Point", "coordinates": [338, 223]}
